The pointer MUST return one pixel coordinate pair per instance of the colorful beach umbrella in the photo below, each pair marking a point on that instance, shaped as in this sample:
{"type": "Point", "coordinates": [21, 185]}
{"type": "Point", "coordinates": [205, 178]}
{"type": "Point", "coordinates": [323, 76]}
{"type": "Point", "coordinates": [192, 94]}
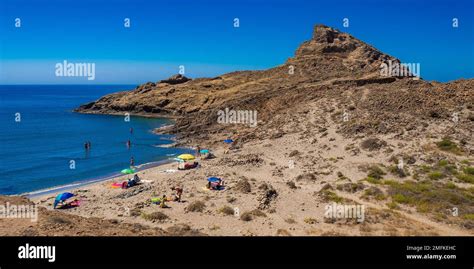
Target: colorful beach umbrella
{"type": "Point", "coordinates": [204, 151]}
{"type": "Point", "coordinates": [127, 171]}
{"type": "Point", "coordinates": [62, 197]}
{"type": "Point", "coordinates": [186, 157]}
{"type": "Point", "coordinates": [228, 141]}
{"type": "Point", "coordinates": [213, 179]}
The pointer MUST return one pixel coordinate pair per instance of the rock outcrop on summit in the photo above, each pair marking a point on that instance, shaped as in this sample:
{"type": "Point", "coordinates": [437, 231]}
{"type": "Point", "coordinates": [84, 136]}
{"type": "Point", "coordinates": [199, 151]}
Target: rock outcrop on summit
{"type": "Point", "coordinates": [331, 65]}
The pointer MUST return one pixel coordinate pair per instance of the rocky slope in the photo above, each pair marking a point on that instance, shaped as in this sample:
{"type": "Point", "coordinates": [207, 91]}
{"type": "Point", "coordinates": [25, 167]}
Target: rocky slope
{"type": "Point", "coordinates": [332, 65]}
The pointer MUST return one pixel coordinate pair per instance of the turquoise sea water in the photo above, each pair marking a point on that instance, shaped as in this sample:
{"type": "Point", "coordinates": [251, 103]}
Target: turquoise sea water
{"type": "Point", "coordinates": [37, 151]}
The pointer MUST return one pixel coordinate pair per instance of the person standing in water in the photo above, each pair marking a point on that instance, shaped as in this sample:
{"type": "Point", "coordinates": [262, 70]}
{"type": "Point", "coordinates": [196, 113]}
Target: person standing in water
{"type": "Point", "coordinates": [86, 146]}
{"type": "Point", "coordinates": [131, 130]}
{"type": "Point", "coordinates": [132, 162]}
{"type": "Point", "coordinates": [129, 143]}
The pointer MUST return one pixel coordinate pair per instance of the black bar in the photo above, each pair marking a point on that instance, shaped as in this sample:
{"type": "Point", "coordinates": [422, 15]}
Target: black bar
{"type": "Point", "coordinates": [241, 250]}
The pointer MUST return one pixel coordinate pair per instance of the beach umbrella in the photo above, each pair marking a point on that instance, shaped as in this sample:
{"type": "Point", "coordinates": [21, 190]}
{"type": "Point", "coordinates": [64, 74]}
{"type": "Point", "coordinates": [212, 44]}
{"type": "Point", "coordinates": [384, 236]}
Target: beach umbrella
{"type": "Point", "coordinates": [127, 171]}
{"type": "Point", "coordinates": [228, 141]}
{"type": "Point", "coordinates": [62, 197]}
{"type": "Point", "coordinates": [204, 151]}
{"type": "Point", "coordinates": [186, 157]}
{"type": "Point", "coordinates": [213, 179]}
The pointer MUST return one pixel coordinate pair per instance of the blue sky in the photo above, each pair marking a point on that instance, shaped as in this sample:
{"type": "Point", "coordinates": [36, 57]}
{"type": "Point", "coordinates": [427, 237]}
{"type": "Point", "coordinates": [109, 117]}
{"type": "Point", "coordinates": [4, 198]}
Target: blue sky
{"type": "Point", "coordinates": [199, 34]}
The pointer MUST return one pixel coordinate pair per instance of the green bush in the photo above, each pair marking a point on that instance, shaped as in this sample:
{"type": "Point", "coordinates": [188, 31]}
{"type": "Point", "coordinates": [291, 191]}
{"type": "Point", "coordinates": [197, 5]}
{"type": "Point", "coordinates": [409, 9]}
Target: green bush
{"type": "Point", "coordinates": [468, 178]}
{"type": "Point", "coordinates": [402, 199]}
{"type": "Point", "coordinates": [376, 172]}
{"type": "Point", "coordinates": [435, 175]}
{"type": "Point", "coordinates": [447, 145]}
{"type": "Point", "coordinates": [469, 170]}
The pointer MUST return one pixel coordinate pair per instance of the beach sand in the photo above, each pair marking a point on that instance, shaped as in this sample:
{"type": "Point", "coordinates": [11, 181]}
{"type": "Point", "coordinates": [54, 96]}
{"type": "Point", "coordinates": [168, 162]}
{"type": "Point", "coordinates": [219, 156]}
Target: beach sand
{"type": "Point", "coordinates": [297, 208]}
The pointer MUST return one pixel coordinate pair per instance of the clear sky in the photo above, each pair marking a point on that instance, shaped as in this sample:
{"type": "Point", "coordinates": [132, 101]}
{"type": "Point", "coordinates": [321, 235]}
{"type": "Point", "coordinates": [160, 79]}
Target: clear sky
{"type": "Point", "coordinates": [200, 35]}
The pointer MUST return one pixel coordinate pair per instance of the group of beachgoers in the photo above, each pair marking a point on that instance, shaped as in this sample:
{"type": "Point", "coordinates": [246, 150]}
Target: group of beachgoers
{"type": "Point", "coordinates": [213, 183]}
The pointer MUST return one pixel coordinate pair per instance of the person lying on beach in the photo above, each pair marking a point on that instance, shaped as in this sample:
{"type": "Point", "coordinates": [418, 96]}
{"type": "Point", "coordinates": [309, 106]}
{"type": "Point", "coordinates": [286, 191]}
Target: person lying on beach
{"type": "Point", "coordinates": [70, 204]}
{"type": "Point", "coordinates": [215, 185]}
{"type": "Point", "coordinates": [133, 181]}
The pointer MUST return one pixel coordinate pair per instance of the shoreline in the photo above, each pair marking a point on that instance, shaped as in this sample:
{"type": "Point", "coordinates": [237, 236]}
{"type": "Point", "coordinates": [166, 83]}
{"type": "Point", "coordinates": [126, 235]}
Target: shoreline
{"type": "Point", "coordinates": [133, 114]}
{"type": "Point", "coordinates": [91, 181]}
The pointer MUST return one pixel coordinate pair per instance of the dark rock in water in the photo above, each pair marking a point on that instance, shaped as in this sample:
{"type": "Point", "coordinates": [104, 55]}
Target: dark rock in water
{"type": "Point", "coordinates": [176, 79]}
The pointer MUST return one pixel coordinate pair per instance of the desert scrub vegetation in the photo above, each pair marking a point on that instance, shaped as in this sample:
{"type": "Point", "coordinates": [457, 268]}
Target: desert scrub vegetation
{"type": "Point", "coordinates": [351, 187]}
{"type": "Point", "coordinates": [250, 215]}
{"type": "Point", "coordinates": [310, 220]}
{"type": "Point", "coordinates": [400, 172]}
{"type": "Point", "coordinates": [226, 210]}
{"type": "Point", "coordinates": [246, 216]}
{"type": "Point", "coordinates": [446, 144]}
{"type": "Point", "coordinates": [243, 186]}
{"type": "Point", "coordinates": [196, 206]}
{"type": "Point", "coordinates": [444, 169]}
{"type": "Point", "coordinates": [435, 198]}
{"type": "Point", "coordinates": [375, 172]}
{"type": "Point", "coordinates": [330, 196]}
{"type": "Point", "coordinates": [372, 144]}
{"type": "Point", "coordinates": [467, 175]}
{"type": "Point", "coordinates": [155, 216]}
{"type": "Point", "coordinates": [435, 175]}
{"type": "Point", "coordinates": [373, 193]}
{"type": "Point", "coordinates": [135, 212]}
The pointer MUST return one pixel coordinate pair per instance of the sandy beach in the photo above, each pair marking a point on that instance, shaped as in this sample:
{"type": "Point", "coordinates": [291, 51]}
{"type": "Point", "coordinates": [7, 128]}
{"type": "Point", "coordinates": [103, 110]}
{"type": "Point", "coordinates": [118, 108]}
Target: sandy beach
{"type": "Point", "coordinates": [252, 172]}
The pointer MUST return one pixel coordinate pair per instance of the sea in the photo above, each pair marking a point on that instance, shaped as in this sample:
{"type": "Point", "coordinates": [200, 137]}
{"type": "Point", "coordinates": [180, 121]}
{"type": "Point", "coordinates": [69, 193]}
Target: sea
{"type": "Point", "coordinates": [42, 139]}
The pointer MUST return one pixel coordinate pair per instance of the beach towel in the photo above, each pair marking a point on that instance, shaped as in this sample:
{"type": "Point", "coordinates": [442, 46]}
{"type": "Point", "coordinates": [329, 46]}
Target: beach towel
{"type": "Point", "coordinates": [71, 204]}
{"type": "Point", "coordinates": [116, 185]}
{"type": "Point", "coordinates": [157, 200]}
